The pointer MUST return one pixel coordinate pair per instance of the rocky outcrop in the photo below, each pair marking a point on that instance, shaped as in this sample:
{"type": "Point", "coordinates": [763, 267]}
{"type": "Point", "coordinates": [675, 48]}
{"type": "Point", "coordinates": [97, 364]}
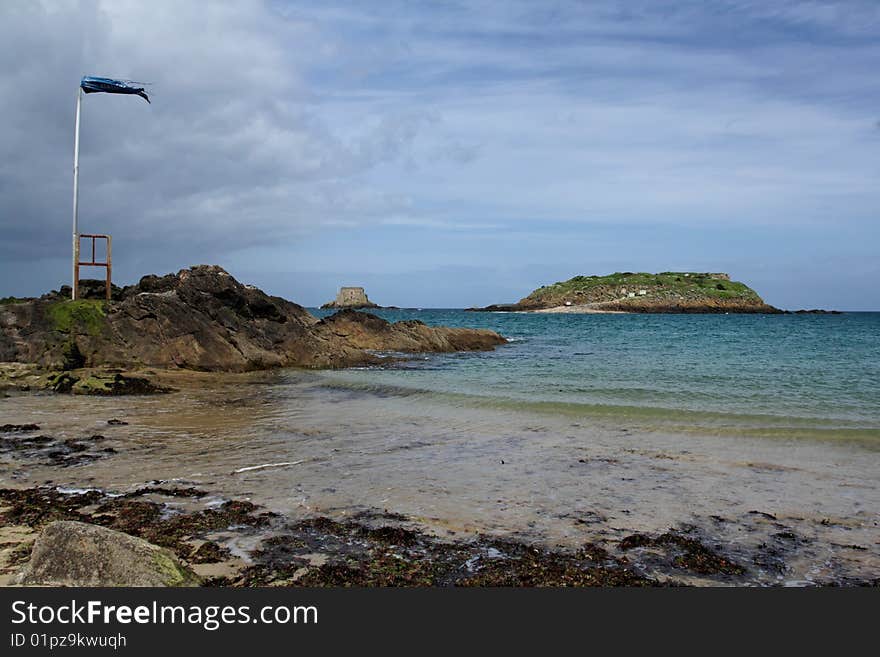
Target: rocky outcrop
{"type": "Point", "coordinates": [352, 298]}
{"type": "Point", "coordinates": [70, 553]}
{"type": "Point", "coordinates": [366, 331]}
{"type": "Point", "coordinates": [667, 292]}
{"type": "Point", "coordinates": [814, 311]}
{"type": "Point", "coordinates": [203, 319]}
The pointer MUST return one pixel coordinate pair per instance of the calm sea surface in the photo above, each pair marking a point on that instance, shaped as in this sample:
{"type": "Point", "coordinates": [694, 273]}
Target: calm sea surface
{"type": "Point", "coordinates": [776, 374]}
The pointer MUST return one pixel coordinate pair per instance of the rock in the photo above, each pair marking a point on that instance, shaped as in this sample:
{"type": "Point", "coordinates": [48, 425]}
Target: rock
{"type": "Point", "coordinates": [369, 332]}
{"type": "Point", "coordinates": [69, 553]}
{"type": "Point", "coordinates": [816, 311]}
{"type": "Point", "coordinates": [353, 298]}
{"type": "Point", "coordinates": [89, 288]}
{"type": "Point", "coordinates": [18, 428]}
{"type": "Point", "coordinates": [101, 383]}
{"type": "Point", "coordinates": [201, 319]}
{"type": "Point", "coordinates": [61, 381]}
{"type": "Point", "coordinates": [498, 308]}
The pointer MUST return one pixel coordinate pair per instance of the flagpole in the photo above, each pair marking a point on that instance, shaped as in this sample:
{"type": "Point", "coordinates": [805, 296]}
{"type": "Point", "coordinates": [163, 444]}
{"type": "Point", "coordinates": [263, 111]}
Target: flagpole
{"type": "Point", "coordinates": [73, 281]}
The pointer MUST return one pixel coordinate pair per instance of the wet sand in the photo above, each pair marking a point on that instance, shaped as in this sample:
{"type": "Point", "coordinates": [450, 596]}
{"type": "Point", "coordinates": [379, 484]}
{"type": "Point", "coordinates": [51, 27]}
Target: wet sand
{"type": "Point", "coordinates": [790, 510]}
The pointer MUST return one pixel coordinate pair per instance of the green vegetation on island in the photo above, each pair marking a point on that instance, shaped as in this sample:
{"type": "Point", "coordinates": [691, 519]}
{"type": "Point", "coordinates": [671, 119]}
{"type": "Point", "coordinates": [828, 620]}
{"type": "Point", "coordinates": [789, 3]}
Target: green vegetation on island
{"type": "Point", "coordinates": [666, 292]}
{"type": "Point", "coordinates": [684, 284]}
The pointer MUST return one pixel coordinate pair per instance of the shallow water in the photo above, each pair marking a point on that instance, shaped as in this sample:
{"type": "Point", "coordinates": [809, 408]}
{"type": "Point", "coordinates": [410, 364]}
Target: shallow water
{"type": "Point", "coordinates": [735, 374]}
{"type": "Point", "coordinates": [461, 465]}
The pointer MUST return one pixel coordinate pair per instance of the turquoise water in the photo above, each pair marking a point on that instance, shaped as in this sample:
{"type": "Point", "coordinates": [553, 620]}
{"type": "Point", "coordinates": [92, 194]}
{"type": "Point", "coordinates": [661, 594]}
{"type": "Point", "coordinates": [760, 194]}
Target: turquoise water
{"type": "Point", "coordinates": [758, 373]}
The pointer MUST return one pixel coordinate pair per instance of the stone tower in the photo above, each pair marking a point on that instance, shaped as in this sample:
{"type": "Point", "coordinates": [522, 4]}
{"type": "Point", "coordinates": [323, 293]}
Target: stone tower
{"type": "Point", "coordinates": [351, 297]}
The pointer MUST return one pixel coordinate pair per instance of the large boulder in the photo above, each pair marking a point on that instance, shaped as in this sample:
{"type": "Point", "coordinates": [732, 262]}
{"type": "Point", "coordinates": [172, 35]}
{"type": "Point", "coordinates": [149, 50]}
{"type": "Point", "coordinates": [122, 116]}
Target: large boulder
{"type": "Point", "coordinates": [69, 553]}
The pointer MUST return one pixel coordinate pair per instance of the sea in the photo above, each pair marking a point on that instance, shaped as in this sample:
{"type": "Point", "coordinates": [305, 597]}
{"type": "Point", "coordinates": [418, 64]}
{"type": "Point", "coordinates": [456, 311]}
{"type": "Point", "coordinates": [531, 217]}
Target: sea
{"type": "Point", "coordinates": [799, 374]}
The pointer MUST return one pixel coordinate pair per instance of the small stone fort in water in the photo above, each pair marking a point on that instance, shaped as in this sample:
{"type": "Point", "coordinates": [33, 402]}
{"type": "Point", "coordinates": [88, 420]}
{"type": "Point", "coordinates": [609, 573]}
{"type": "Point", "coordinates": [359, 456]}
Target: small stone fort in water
{"type": "Point", "coordinates": [351, 297]}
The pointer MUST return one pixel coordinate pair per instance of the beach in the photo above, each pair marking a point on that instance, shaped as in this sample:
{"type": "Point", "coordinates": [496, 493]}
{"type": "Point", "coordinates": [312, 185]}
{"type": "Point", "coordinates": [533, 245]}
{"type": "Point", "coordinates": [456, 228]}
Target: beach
{"type": "Point", "coordinates": [773, 508]}
{"type": "Point", "coordinates": [574, 309]}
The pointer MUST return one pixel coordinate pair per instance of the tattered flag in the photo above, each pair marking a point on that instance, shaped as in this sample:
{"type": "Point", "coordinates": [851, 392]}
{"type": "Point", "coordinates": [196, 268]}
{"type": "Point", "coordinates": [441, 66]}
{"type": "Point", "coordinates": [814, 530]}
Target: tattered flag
{"type": "Point", "coordinates": [93, 85]}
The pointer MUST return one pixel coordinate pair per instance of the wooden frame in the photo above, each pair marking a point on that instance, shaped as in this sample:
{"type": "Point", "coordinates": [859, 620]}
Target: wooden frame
{"type": "Point", "coordinates": [107, 264]}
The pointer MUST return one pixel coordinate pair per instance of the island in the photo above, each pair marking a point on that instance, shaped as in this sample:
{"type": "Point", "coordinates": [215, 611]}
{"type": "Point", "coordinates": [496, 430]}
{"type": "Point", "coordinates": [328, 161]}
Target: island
{"type": "Point", "coordinates": [628, 292]}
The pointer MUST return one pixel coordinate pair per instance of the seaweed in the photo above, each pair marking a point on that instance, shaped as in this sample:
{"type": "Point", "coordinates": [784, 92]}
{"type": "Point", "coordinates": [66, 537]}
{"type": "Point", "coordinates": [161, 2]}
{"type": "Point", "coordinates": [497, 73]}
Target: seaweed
{"type": "Point", "coordinates": [687, 553]}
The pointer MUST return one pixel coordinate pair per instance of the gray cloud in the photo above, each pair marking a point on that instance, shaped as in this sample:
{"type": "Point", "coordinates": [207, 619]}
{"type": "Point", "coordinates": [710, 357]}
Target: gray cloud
{"type": "Point", "coordinates": [285, 129]}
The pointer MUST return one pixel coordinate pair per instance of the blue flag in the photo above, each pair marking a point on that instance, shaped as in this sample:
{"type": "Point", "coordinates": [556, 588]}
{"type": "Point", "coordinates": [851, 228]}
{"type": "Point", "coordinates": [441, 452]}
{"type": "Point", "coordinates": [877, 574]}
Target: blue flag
{"type": "Point", "coordinates": [92, 85]}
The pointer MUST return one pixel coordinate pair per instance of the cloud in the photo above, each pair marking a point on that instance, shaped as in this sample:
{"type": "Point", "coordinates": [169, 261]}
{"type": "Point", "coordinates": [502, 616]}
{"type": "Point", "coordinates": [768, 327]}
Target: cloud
{"type": "Point", "coordinates": [281, 124]}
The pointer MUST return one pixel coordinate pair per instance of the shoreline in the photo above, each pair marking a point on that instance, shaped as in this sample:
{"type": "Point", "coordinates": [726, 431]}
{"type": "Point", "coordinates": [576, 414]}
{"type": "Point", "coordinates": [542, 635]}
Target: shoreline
{"type": "Point", "coordinates": [576, 310]}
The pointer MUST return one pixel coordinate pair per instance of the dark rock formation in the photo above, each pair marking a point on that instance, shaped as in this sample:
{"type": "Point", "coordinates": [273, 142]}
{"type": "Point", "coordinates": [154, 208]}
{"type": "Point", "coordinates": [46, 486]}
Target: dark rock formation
{"type": "Point", "coordinates": [814, 311]}
{"type": "Point", "coordinates": [366, 331]}
{"type": "Point", "coordinates": [89, 288]}
{"type": "Point", "coordinates": [54, 451]}
{"type": "Point", "coordinates": [203, 319]}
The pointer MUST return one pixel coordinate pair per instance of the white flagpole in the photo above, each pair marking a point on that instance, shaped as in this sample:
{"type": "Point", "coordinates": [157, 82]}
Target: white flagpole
{"type": "Point", "coordinates": [75, 194]}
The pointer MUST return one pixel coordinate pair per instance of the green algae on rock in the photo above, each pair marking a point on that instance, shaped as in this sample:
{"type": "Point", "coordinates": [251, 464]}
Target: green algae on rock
{"type": "Point", "coordinates": [114, 383]}
{"type": "Point", "coordinates": [87, 315]}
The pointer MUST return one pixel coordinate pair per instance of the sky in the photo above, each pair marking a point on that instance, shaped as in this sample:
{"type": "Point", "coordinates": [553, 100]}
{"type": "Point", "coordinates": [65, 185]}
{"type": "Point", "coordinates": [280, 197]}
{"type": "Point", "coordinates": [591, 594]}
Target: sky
{"type": "Point", "coordinates": [448, 154]}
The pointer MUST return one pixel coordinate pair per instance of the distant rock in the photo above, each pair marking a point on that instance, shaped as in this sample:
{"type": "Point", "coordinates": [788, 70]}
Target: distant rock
{"type": "Point", "coordinates": [814, 311]}
{"type": "Point", "coordinates": [350, 298]}
{"type": "Point", "coordinates": [667, 292]}
{"type": "Point", "coordinates": [69, 553]}
{"type": "Point", "coordinates": [202, 319]}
